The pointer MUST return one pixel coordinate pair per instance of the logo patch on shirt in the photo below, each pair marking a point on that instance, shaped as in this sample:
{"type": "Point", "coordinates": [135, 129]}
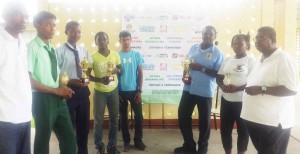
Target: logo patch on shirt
{"type": "Point", "coordinates": [239, 68]}
{"type": "Point", "coordinates": [129, 60]}
{"type": "Point", "coordinates": [208, 56]}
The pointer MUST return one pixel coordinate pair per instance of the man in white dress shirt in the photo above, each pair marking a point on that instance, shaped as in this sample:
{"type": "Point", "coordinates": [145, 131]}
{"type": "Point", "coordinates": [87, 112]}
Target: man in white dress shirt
{"type": "Point", "coordinates": [15, 90]}
{"type": "Point", "coordinates": [268, 100]}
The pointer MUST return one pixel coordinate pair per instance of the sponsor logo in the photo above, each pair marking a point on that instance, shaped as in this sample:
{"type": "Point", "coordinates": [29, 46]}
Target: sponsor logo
{"type": "Point", "coordinates": [148, 66]}
{"type": "Point", "coordinates": [163, 66]}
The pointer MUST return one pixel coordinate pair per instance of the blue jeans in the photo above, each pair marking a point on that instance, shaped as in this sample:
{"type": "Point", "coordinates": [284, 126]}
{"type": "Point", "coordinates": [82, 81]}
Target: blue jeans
{"type": "Point", "coordinates": [101, 99]}
{"type": "Point", "coordinates": [14, 138]}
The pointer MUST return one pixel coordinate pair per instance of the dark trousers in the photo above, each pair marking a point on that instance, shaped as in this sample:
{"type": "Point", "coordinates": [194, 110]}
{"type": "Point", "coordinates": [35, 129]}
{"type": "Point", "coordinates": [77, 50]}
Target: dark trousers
{"type": "Point", "coordinates": [79, 109]}
{"type": "Point", "coordinates": [138, 116]}
{"type": "Point", "coordinates": [14, 138]}
{"type": "Point", "coordinates": [50, 112]}
{"type": "Point", "coordinates": [230, 113]}
{"type": "Point", "coordinates": [185, 110]}
{"type": "Point", "coordinates": [269, 139]}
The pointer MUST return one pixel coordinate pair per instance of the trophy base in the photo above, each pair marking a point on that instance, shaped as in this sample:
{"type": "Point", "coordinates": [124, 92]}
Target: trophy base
{"type": "Point", "coordinates": [111, 78]}
{"type": "Point", "coordinates": [85, 81]}
{"type": "Point", "coordinates": [187, 78]}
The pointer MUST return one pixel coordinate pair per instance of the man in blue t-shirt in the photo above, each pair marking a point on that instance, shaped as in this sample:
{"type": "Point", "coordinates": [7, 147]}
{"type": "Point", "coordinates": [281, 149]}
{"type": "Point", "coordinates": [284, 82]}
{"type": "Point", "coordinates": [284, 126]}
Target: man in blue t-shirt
{"type": "Point", "coordinates": [198, 90]}
{"type": "Point", "coordinates": [130, 89]}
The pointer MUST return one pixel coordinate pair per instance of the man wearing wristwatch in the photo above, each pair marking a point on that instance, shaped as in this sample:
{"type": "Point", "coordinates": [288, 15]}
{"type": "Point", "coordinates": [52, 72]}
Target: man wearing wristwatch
{"type": "Point", "coordinates": [268, 99]}
{"type": "Point", "coordinates": [198, 91]}
{"type": "Point", "coordinates": [130, 89]}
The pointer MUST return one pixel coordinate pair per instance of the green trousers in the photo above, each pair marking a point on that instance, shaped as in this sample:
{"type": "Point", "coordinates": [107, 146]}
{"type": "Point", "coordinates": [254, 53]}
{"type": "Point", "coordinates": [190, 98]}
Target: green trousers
{"type": "Point", "coordinates": [50, 112]}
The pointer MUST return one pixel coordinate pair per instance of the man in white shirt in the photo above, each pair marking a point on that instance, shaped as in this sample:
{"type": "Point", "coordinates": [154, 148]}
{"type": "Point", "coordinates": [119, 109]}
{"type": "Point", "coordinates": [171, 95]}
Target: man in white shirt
{"type": "Point", "coordinates": [268, 100]}
{"type": "Point", "coordinates": [69, 57]}
{"type": "Point", "coordinates": [15, 90]}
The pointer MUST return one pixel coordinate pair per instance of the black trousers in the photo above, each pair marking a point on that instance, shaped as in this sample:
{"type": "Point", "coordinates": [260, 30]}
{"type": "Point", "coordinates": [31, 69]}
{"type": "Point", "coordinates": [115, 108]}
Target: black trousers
{"type": "Point", "coordinates": [138, 116]}
{"type": "Point", "coordinates": [79, 108]}
{"type": "Point", "coordinates": [268, 139]}
{"type": "Point", "coordinates": [230, 113]}
{"type": "Point", "coordinates": [185, 111]}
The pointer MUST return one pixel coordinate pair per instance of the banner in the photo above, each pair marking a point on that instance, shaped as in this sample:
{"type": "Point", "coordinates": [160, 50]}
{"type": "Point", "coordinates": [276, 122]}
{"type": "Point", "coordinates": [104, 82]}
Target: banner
{"type": "Point", "coordinates": [164, 39]}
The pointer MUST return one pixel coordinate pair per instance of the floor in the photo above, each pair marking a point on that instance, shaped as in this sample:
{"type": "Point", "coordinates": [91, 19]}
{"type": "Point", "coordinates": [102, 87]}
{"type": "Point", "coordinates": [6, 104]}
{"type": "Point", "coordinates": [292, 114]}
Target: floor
{"type": "Point", "coordinates": [163, 141]}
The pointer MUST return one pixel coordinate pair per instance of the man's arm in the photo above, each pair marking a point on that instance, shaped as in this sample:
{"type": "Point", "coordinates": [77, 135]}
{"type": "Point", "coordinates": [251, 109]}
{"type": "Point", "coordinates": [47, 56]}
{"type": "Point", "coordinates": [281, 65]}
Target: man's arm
{"type": "Point", "coordinates": [140, 77]}
{"type": "Point", "coordinates": [62, 91]}
{"type": "Point", "coordinates": [280, 91]}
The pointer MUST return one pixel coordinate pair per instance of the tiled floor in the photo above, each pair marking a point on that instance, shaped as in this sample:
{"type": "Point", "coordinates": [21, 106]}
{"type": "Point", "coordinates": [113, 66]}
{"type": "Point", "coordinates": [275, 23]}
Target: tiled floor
{"type": "Point", "coordinates": [163, 141]}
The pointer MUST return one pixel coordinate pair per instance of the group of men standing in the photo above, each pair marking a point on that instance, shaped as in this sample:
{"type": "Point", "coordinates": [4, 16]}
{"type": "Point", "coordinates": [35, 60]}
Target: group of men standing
{"type": "Point", "coordinates": [30, 79]}
{"type": "Point", "coordinates": [30, 82]}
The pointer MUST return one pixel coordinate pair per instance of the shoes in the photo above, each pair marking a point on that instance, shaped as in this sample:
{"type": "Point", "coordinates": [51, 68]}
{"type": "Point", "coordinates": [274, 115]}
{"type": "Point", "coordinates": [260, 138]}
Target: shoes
{"type": "Point", "coordinates": [184, 150]}
{"type": "Point", "coordinates": [140, 145]}
{"type": "Point", "coordinates": [202, 151]}
{"type": "Point", "coordinates": [112, 149]}
{"type": "Point", "coordinates": [101, 150]}
{"type": "Point", "coordinates": [126, 147]}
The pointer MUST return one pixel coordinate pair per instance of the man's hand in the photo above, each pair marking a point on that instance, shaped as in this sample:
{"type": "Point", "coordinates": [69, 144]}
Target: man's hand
{"type": "Point", "coordinates": [253, 90]}
{"type": "Point", "coordinates": [186, 81]}
{"type": "Point", "coordinates": [77, 83]}
{"type": "Point", "coordinates": [229, 88]}
{"type": "Point", "coordinates": [105, 80]}
{"type": "Point", "coordinates": [64, 92]}
{"type": "Point", "coordinates": [138, 97]}
{"type": "Point", "coordinates": [195, 66]}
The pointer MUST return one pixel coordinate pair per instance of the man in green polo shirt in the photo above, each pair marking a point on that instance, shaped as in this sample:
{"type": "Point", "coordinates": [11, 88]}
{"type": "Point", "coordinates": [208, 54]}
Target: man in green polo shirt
{"type": "Point", "coordinates": [49, 107]}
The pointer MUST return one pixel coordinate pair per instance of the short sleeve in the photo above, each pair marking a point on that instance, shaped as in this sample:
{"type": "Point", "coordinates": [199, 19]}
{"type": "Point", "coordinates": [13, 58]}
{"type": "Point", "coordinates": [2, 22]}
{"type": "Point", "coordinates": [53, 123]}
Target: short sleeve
{"type": "Point", "coordinates": [31, 58]}
{"type": "Point", "coordinates": [219, 60]}
{"type": "Point", "coordinates": [288, 72]}
{"type": "Point", "coordinates": [140, 59]}
{"type": "Point", "coordinates": [118, 61]}
{"type": "Point", "coordinates": [59, 56]}
{"type": "Point", "coordinates": [221, 70]}
{"type": "Point", "coordinates": [91, 63]}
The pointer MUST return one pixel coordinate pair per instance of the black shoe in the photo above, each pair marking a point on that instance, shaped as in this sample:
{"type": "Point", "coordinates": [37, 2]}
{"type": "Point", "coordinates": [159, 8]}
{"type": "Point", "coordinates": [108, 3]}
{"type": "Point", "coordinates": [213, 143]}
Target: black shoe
{"type": "Point", "coordinates": [112, 149]}
{"type": "Point", "coordinates": [126, 147]}
{"type": "Point", "coordinates": [202, 150]}
{"type": "Point", "coordinates": [101, 150]}
{"type": "Point", "coordinates": [185, 150]}
{"type": "Point", "coordinates": [140, 145]}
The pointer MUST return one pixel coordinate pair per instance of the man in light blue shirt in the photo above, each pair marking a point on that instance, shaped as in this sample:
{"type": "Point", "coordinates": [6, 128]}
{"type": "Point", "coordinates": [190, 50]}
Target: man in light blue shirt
{"type": "Point", "coordinates": [206, 60]}
{"type": "Point", "coordinates": [130, 89]}
{"type": "Point", "coordinates": [69, 57]}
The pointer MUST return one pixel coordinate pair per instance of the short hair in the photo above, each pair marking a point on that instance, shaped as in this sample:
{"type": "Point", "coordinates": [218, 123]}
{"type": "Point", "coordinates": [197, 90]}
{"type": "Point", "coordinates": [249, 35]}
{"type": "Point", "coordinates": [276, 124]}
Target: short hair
{"type": "Point", "coordinates": [124, 33]}
{"type": "Point", "coordinates": [269, 32]}
{"type": "Point", "coordinates": [210, 28]}
{"type": "Point", "coordinates": [245, 37]}
{"type": "Point", "coordinates": [42, 16]}
{"type": "Point", "coordinates": [97, 35]}
{"type": "Point", "coordinates": [70, 25]}
{"type": "Point", "coordinates": [11, 7]}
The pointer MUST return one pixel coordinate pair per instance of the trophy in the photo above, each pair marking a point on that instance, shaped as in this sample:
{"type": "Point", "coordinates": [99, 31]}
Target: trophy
{"type": "Point", "coordinates": [110, 67]}
{"type": "Point", "coordinates": [186, 63]}
{"type": "Point", "coordinates": [228, 78]}
{"type": "Point", "coordinates": [64, 79]}
{"type": "Point", "coordinates": [84, 64]}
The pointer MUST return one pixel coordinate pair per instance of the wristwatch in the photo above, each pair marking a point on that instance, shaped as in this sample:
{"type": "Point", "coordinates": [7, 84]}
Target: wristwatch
{"type": "Point", "coordinates": [263, 89]}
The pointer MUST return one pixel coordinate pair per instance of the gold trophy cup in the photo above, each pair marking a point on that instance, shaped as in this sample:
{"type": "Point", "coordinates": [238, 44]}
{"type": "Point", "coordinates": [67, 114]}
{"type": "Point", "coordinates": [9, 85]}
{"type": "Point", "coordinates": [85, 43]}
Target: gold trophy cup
{"type": "Point", "coordinates": [186, 63]}
{"type": "Point", "coordinates": [64, 79]}
{"type": "Point", "coordinates": [84, 64]}
{"type": "Point", "coordinates": [228, 78]}
{"type": "Point", "coordinates": [110, 67]}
